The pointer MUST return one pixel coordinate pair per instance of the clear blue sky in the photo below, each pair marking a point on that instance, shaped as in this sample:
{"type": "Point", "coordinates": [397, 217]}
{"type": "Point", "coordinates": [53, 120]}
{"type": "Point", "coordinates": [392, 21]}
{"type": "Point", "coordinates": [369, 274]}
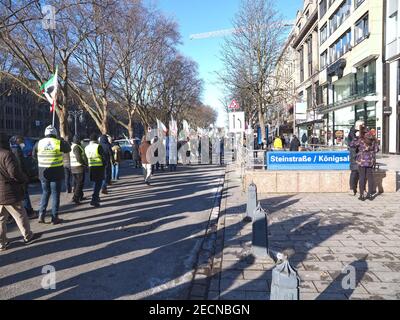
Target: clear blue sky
{"type": "Point", "coordinates": [198, 16]}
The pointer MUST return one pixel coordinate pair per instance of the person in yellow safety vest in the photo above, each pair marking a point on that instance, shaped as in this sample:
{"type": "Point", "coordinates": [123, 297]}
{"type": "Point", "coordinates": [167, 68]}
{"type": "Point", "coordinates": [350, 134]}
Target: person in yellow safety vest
{"type": "Point", "coordinates": [96, 160]}
{"type": "Point", "coordinates": [79, 163]}
{"type": "Point", "coordinates": [278, 145]}
{"type": "Point", "coordinates": [49, 154]}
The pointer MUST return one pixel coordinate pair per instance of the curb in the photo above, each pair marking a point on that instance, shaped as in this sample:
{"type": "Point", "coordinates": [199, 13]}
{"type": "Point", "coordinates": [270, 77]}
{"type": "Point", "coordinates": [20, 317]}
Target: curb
{"type": "Point", "coordinates": [204, 271]}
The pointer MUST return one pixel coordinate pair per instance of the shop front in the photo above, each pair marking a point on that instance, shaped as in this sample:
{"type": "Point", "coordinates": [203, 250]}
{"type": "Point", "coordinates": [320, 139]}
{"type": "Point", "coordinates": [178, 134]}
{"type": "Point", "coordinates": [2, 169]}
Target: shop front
{"type": "Point", "coordinates": [352, 98]}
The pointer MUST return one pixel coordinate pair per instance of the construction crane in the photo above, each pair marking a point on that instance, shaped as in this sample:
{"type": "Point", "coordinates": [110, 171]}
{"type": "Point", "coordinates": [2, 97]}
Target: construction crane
{"type": "Point", "coordinates": [227, 32]}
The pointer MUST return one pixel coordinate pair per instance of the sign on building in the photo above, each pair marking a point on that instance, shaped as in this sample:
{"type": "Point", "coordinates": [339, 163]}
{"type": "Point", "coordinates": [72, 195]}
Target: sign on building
{"type": "Point", "coordinates": [236, 122]}
{"type": "Point", "coordinates": [319, 160]}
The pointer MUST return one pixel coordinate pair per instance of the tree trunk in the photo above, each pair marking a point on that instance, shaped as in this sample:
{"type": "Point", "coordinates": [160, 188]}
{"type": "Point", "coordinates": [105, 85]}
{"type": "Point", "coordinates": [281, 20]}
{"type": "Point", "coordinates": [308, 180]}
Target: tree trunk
{"type": "Point", "coordinates": [261, 121]}
{"type": "Point", "coordinates": [64, 128]}
{"type": "Point", "coordinates": [131, 130]}
{"type": "Point", "coordinates": [105, 126]}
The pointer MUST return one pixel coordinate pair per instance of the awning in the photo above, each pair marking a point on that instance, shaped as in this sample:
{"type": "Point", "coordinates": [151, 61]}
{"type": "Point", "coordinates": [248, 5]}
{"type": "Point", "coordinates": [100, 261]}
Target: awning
{"type": "Point", "coordinates": [347, 103]}
{"type": "Point", "coordinates": [310, 123]}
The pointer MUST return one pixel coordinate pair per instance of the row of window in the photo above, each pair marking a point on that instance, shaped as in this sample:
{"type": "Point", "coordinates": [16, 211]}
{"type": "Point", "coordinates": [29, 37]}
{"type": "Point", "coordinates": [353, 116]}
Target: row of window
{"type": "Point", "coordinates": [324, 5]}
{"type": "Point", "coordinates": [13, 124]}
{"type": "Point", "coordinates": [343, 44]}
{"type": "Point", "coordinates": [18, 112]}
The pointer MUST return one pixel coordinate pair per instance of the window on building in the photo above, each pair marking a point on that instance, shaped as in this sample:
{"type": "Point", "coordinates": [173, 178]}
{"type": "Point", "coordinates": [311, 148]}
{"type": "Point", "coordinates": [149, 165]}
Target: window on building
{"type": "Point", "coordinates": [357, 3]}
{"type": "Point", "coordinates": [309, 97]}
{"type": "Point", "coordinates": [307, 13]}
{"type": "Point", "coordinates": [322, 8]}
{"type": "Point", "coordinates": [299, 26]}
{"type": "Point", "coordinates": [324, 60]}
{"type": "Point", "coordinates": [361, 30]}
{"type": "Point", "coordinates": [331, 2]}
{"type": "Point", "coordinates": [324, 33]}
{"type": "Point", "coordinates": [309, 56]}
{"type": "Point", "coordinates": [9, 124]}
{"type": "Point", "coordinates": [340, 15]}
{"type": "Point", "coordinates": [340, 47]}
{"type": "Point", "coordinates": [392, 27]}
{"type": "Point", "coordinates": [301, 53]}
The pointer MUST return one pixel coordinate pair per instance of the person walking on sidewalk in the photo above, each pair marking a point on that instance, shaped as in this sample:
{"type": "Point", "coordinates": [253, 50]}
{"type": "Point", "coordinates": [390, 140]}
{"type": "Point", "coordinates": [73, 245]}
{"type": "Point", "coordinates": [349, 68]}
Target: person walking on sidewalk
{"type": "Point", "coordinates": [295, 144]}
{"type": "Point", "coordinates": [17, 145]}
{"type": "Point", "coordinates": [144, 147]}
{"type": "Point", "coordinates": [117, 156]}
{"type": "Point", "coordinates": [354, 175]}
{"type": "Point", "coordinates": [278, 145]}
{"type": "Point", "coordinates": [368, 147]}
{"type": "Point", "coordinates": [135, 154]}
{"type": "Point", "coordinates": [97, 162]}
{"type": "Point", "coordinates": [49, 153]}
{"type": "Point", "coordinates": [108, 162]}
{"type": "Point", "coordinates": [12, 184]}
{"type": "Point", "coordinates": [67, 171]}
{"type": "Point", "coordinates": [79, 163]}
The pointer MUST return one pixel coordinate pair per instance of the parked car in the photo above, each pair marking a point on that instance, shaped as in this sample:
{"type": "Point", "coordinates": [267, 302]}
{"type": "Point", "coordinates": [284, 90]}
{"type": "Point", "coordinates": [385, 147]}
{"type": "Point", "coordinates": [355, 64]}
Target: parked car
{"type": "Point", "coordinates": [126, 148]}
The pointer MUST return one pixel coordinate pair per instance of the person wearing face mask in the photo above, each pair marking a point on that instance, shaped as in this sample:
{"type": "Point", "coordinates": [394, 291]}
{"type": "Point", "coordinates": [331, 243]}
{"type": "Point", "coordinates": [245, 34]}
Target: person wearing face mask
{"type": "Point", "coordinates": [17, 145]}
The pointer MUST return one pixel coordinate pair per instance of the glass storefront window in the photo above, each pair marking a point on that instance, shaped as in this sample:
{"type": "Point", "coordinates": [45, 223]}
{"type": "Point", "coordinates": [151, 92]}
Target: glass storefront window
{"type": "Point", "coordinates": [344, 120]}
{"type": "Point", "coordinates": [367, 113]}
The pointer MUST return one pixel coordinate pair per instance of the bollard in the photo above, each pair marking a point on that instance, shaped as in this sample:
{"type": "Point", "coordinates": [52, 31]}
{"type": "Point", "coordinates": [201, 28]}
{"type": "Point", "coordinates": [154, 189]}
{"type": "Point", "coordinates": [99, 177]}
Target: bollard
{"type": "Point", "coordinates": [251, 202]}
{"type": "Point", "coordinates": [260, 233]}
{"type": "Point", "coordinates": [285, 280]}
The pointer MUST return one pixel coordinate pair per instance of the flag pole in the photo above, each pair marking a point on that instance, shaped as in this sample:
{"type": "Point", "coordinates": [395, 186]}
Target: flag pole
{"type": "Point", "coordinates": [54, 70]}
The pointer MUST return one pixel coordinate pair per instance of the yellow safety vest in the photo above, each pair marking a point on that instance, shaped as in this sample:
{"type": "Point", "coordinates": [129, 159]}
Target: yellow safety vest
{"type": "Point", "coordinates": [93, 155]}
{"type": "Point", "coordinates": [74, 161]}
{"type": "Point", "coordinates": [49, 153]}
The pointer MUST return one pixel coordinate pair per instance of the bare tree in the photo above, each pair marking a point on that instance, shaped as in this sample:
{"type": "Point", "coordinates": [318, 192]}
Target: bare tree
{"type": "Point", "coordinates": [37, 51]}
{"type": "Point", "coordinates": [150, 44]}
{"type": "Point", "coordinates": [251, 53]}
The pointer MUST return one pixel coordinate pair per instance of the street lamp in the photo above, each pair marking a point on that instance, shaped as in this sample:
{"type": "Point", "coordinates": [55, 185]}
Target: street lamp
{"type": "Point", "coordinates": [73, 116]}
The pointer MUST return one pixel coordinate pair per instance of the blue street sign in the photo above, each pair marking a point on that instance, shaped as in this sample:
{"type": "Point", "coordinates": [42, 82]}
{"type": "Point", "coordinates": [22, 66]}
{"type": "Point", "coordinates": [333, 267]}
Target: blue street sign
{"type": "Point", "coordinates": [318, 160]}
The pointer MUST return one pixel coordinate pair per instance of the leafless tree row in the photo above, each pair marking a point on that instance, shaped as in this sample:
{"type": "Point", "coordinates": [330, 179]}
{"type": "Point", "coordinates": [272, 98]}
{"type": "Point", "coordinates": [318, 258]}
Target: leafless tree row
{"type": "Point", "coordinates": [251, 56]}
{"type": "Point", "coordinates": [117, 60]}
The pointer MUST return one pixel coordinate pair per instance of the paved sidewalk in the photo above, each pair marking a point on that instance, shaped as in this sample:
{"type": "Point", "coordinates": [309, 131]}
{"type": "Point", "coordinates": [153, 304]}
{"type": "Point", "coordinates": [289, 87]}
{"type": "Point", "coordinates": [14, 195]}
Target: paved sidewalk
{"type": "Point", "coordinates": [142, 243]}
{"type": "Point", "coordinates": [326, 233]}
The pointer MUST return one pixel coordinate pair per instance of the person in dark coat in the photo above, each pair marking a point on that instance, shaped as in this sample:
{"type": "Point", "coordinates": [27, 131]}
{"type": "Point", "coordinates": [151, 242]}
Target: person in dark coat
{"type": "Point", "coordinates": [304, 139]}
{"type": "Point", "coordinates": [67, 170]}
{"type": "Point", "coordinates": [79, 164]}
{"type": "Point", "coordinates": [135, 154]}
{"type": "Point", "coordinates": [108, 162]}
{"type": "Point", "coordinates": [295, 144]}
{"type": "Point", "coordinates": [17, 145]}
{"type": "Point", "coordinates": [368, 147]}
{"type": "Point", "coordinates": [12, 185]}
{"type": "Point", "coordinates": [354, 175]}
{"type": "Point", "coordinates": [97, 160]}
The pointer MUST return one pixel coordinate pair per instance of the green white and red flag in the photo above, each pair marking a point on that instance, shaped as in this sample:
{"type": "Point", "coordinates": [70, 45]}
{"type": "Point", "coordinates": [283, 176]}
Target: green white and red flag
{"type": "Point", "coordinates": [49, 89]}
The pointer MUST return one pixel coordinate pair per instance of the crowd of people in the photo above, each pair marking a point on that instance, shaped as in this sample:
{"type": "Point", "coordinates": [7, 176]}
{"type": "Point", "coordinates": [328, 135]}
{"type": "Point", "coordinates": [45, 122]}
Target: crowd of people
{"type": "Point", "coordinates": [57, 161]}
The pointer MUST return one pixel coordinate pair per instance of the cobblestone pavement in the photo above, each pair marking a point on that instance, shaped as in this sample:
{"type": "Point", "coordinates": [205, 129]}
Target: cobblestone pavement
{"type": "Point", "coordinates": [142, 243]}
{"type": "Point", "coordinates": [324, 232]}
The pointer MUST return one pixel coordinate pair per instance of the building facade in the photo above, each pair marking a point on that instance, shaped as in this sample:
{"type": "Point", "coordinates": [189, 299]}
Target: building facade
{"type": "Point", "coordinates": [306, 45]}
{"type": "Point", "coordinates": [391, 108]}
{"type": "Point", "coordinates": [281, 120]}
{"type": "Point", "coordinates": [351, 66]}
{"type": "Point", "coordinates": [21, 113]}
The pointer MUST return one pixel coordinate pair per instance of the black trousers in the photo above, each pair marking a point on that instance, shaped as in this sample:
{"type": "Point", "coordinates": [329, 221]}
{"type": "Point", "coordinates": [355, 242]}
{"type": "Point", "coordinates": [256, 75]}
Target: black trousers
{"type": "Point", "coordinates": [366, 174]}
{"type": "Point", "coordinates": [68, 180]}
{"type": "Point", "coordinates": [354, 178]}
{"type": "Point", "coordinates": [79, 182]}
